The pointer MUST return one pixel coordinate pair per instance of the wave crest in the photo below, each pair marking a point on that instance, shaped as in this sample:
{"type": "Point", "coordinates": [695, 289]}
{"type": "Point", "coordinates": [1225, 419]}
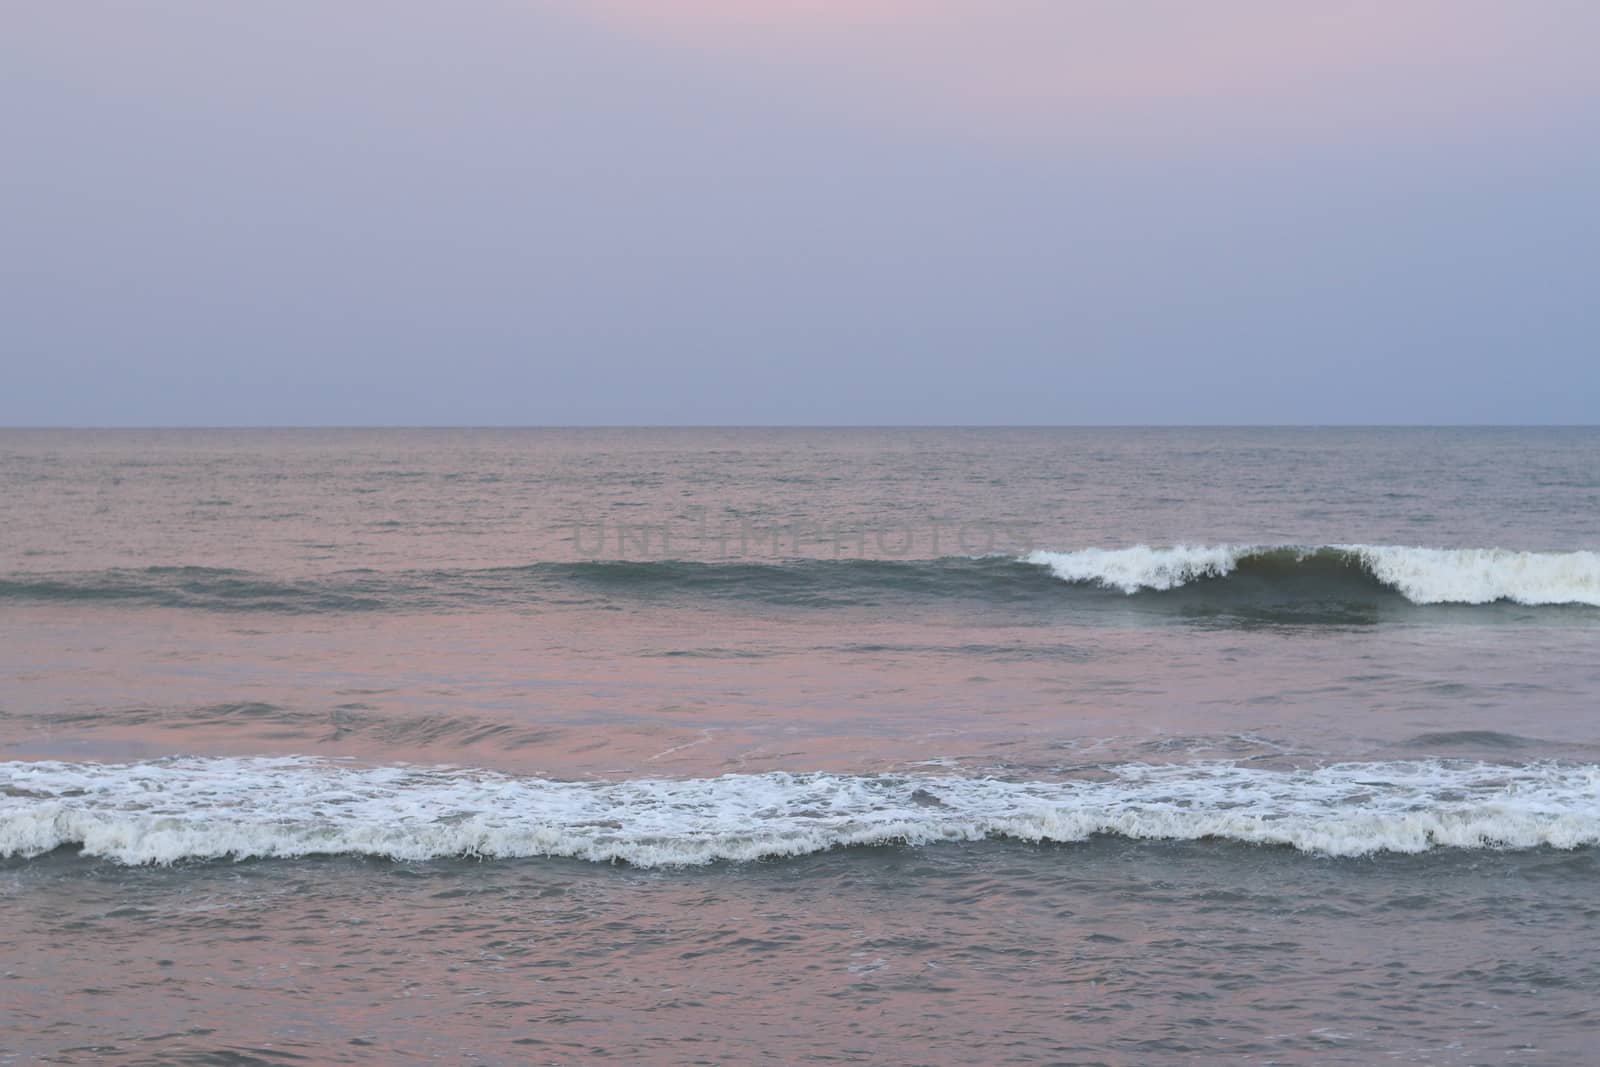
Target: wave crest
{"type": "Point", "coordinates": [1421, 575]}
{"type": "Point", "coordinates": [1272, 581]}
{"type": "Point", "coordinates": [186, 809]}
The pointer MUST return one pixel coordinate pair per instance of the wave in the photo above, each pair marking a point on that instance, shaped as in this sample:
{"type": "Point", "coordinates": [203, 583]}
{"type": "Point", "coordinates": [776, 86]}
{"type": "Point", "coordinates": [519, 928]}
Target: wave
{"type": "Point", "coordinates": [179, 809]}
{"type": "Point", "coordinates": [1421, 575]}
{"type": "Point", "coordinates": [808, 583]}
{"type": "Point", "coordinates": [1316, 583]}
{"type": "Point", "coordinates": [206, 588]}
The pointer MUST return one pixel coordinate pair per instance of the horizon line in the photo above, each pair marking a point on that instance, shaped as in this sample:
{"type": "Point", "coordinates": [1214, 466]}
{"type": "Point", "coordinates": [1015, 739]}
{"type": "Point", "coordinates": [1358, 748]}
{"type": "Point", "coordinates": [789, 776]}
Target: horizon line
{"type": "Point", "coordinates": [813, 426]}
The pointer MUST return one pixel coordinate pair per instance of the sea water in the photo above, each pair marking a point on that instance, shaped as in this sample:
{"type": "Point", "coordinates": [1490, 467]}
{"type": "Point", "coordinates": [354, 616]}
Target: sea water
{"type": "Point", "coordinates": [795, 745]}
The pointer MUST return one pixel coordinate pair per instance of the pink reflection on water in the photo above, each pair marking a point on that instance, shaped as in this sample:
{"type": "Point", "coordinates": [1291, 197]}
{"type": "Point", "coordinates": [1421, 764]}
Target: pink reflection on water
{"type": "Point", "coordinates": [684, 692]}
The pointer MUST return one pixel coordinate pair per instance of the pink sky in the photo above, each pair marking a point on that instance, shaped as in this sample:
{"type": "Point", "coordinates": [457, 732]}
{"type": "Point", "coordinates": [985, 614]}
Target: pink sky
{"type": "Point", "coordinates": [1143, 68]}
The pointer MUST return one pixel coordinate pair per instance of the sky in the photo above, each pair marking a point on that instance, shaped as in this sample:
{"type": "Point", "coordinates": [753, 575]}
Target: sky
{"type": "Point", "coordinates": [521, 212]}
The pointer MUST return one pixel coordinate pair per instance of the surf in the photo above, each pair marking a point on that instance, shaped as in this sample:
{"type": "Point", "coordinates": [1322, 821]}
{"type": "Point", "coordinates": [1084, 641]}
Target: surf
{"type": "Point", "coordinates": [189, 809]}
{"type": "Point", "coordinates": [1423, 576]}
{"type": "Point", "coordinates": [1274, 581]}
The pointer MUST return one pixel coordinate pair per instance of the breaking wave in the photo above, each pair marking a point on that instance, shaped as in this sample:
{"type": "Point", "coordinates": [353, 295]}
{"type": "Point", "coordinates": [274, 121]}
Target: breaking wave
{"type": "Point", "coordinates": [181, 809]}
{"type": "Point", "coordinates": [1268, 582]}
{"type": "Point", "coordinates": [1421, 575]}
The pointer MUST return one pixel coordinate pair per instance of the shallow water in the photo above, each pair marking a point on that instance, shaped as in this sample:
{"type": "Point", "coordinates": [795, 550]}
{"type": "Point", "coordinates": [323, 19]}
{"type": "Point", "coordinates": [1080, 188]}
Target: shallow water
{"type": "Point", "coordinates": [1103, 952]}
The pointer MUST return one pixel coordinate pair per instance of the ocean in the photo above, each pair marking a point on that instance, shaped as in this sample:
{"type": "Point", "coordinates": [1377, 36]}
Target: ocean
{"type": "Point", "coordinates": [690, 746]}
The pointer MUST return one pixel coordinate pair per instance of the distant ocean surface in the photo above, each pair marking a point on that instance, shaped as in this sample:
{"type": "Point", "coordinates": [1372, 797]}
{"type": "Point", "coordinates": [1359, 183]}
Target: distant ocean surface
{"type": "Point", "coordinates": [800, 745]}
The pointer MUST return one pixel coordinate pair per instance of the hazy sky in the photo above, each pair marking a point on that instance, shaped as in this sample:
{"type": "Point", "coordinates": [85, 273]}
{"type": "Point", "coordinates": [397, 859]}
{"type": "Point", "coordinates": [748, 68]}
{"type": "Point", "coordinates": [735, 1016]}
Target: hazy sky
{"type": "Point", "coordinates": [800, 211]}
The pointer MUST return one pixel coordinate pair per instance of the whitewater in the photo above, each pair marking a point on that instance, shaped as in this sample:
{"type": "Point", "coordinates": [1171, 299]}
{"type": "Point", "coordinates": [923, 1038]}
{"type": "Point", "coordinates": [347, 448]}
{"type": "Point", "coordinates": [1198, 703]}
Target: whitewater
{"type": "Point", "coordinates": [1421, 575]}
{"type": "Point", "coordinates": [166, 811]}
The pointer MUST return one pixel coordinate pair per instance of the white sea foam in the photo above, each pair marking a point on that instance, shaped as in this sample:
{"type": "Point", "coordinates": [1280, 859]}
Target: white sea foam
{"type": "Point", "coordinates": [1141, 567]}
{"type": "Point", "coordinates": [1421, 575]}
{"type": "Point", "coordinates": [1484, 575]}
{"type": "Point", "coordinates": [170, 810]}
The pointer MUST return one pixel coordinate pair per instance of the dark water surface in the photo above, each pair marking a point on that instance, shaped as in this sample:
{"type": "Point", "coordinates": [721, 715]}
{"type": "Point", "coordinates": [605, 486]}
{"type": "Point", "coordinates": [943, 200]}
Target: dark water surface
{"type": "Point", "coordinates": [943, 746]}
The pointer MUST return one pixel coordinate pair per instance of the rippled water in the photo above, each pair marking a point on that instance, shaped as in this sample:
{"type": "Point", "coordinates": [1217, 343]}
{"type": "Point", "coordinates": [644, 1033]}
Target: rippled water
{"type": "Point", "coordinates": [1034, 746]}
{"type": "Point", "coordinates": [1109, 952]}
